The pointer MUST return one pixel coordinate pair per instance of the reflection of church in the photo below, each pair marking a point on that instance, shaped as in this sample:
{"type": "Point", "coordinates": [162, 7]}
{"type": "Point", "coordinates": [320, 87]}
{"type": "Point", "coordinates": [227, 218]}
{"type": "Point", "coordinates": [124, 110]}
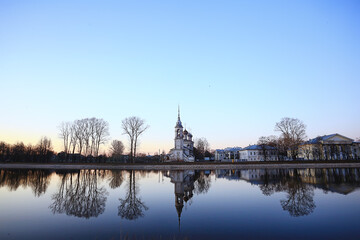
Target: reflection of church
{"type": "Point", "coordinates": [184, 145]}
{"type": "Point", "coordinates": [183, 188]}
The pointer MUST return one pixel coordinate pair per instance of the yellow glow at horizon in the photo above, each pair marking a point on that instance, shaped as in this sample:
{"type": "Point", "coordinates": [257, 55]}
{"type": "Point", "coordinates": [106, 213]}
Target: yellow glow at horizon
{"type": "Point", "coordinates": [33, 139]}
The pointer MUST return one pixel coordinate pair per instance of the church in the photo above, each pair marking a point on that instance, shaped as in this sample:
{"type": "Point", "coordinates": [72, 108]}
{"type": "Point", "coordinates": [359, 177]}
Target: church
{"type": "Point", "coordinates": [184, 145]}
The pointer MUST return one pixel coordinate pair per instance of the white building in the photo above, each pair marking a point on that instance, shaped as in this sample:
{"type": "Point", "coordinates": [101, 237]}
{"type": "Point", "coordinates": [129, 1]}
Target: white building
{"type": "Point", "coordinates": [258, 153]}
{"type": "Point", "coordinates": [184, 145]}
{"type": "Point", "coordinates": [227, 154]}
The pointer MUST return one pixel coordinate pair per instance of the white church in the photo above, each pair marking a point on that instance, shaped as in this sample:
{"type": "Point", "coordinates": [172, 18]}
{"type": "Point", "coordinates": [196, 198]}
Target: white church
{"type": "Point", "coordinates": [184, 145]}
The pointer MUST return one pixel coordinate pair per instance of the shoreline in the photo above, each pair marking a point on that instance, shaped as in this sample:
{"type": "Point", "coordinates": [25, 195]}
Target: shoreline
{"type": "Point", "coordinates": [174, 166]}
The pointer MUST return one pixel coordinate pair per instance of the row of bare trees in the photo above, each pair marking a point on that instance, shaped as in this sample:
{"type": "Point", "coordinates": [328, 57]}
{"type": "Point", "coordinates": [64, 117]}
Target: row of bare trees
{"type": "Point", "coordinates": [19, 152]}
{"type": "Point", "coordinates": [84, 136]}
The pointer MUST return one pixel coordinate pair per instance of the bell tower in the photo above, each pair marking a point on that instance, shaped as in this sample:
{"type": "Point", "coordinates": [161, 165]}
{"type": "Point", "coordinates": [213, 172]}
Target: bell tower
{"type": "Point", "coordinates": [179, 138]}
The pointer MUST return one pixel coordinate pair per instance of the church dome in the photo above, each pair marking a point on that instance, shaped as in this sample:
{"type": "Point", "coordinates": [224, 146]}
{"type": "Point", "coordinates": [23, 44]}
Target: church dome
{"type": "Point", "coordinates": [185, 132]}
{"type": "Point", "coordinates": [190, 135]}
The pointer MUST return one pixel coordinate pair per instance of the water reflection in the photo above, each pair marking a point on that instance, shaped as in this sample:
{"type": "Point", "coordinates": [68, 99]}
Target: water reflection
{"type": "Point", "coordinates": [79, 194]}
{"type": "Point", "coordinates": [131, 207]}
{"type": "Point", "coordinates": [37, 180]}
{"type": "Point", "coordinates": [116, 178]}
{"type": "Point", "coordinates": [299, 184]}
{"type": "Point", "coordinates": [203, 182]}
{"type": "Point", "coordinates": [183, 188]}
{"type": "Point", "coordinates": [300, 196]}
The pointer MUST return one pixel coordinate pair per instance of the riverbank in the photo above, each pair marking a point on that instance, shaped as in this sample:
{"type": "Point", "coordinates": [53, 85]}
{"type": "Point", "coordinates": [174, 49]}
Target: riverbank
{"type": "Point", "coordinates": [182, 166]}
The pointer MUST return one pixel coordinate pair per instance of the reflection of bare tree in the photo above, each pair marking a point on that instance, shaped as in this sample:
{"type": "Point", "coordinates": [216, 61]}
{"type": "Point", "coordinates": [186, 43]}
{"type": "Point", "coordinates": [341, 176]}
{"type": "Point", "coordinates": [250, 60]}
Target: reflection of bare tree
{"type": "Point", "coordinates": [272, 182]}
{"type": "Point", "coordinates": [300, 198]}
{"type": "Point", "coordinates": [79, 195]}
{"type": "Point", "coordinates": [37, 180]}
{"type": "Point", "coordinates": [115, 178]}
{"type": "Point", "coordinates": [268, 189]}
{"type": "Point", "coordinates": [202, 183]}
{"type": "Point", "coordinates": [131, 207]}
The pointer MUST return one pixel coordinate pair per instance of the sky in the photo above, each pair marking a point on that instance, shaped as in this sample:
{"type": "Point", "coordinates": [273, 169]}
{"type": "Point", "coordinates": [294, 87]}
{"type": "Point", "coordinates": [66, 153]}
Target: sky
{"type": "Point", "coordinates": [234, 67]}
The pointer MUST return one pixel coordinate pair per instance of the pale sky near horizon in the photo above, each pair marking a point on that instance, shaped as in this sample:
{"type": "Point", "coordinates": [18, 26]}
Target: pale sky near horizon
{"type": "Point", "coordinates": [235, 67]}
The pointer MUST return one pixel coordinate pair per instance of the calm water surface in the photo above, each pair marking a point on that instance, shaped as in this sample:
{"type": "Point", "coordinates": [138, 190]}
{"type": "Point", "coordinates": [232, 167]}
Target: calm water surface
{"type": "Point", "coordinates": [221, 204]}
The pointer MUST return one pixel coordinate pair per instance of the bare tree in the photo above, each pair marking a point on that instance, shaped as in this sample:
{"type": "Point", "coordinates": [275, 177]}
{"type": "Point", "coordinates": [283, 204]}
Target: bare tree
{"type": "Point", "coordinates": [79, 134]}
{"type": "Point", "coordinates": [117, 148]}
{"type": "Point", "coordinates": [133, 127]}
{"type": "Point", "coordinates": [277, 143]}
{"type": "Point", "coordinates": [264, 142]}
{"type": "Point", "coordinates": [73, 139]}
{"type": "Point", "coordinates": [92, 124]}
{"type": "Point", "coordinates": [85, 135]}
{"type": "Point", "coordinates": [293, 132]}
{"type": "Point", "coordinates": [87, 132]}
{"type": "Point", "coordinates": [202, 145]}
{"type": "Point", "coordinates": [65, 128]}
{"type": "Point", "coordinates": [101, 134]}
{"type": "Point", "coordinates": [45, 148]}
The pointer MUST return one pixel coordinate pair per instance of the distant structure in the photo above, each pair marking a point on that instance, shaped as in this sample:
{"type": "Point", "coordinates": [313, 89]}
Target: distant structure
{"type": "Point", "coordinates": [250, 153]}
{"type": "Point", "coordinates": [227, 154]}
{"type": "Point", "coordinates": [184, 145]}
{"type": "Point", "coordinates": [327, 147]}
{"type": "Point", "coordinates": [258, 153]}
{"type": "Point", "coordinates": [330, 147]}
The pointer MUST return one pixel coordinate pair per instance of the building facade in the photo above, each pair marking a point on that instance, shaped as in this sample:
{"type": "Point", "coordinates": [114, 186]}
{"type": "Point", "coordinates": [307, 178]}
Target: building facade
{"type": "Point", "coordinates": [258, 153]}
{"type": "Point", "coordinates": [230, 154]}
{"type": "Point", "coordinates": [330, 147]}
{"type": "Point", "coordinates": [184, 145]}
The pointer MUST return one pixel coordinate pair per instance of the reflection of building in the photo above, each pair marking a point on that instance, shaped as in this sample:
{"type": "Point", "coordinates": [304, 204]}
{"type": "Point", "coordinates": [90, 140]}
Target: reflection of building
{"type": "Point", "coordinates": [330, 147]}
{"type": "Point", "coordinates": [183, 188]}
{"type": "Point", "coordinates": [337, 180]}
{"type": "Point", "coordinates": [259, 176]}
{"type": "Point", "coordinates": [184, 145]}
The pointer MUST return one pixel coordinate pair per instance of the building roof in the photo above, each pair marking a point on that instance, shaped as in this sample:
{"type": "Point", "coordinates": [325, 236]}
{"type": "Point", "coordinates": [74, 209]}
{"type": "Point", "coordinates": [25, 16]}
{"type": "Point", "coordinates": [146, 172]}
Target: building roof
{"type": "Point", "coordinates": [178, 123]}
{"type": "Point", "coordinates": [323, 138]}
{"type": "Point", "coordinates": [229, 149]}
{"type": "Point", "coordinates": [258, 147]}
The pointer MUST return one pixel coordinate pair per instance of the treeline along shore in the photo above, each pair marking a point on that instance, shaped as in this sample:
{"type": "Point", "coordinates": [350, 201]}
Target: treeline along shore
{"type": "Point", "coordinates": [82, 140]}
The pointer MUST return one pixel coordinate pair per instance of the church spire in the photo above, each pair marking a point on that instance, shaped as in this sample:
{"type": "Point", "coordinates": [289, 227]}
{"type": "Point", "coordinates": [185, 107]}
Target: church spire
{"type": "Point", "coordinates": [178, 123]}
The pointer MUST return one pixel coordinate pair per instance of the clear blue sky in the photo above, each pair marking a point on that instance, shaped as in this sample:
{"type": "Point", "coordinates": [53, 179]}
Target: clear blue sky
{"type": "Point", "coordinates": [235, 67]}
